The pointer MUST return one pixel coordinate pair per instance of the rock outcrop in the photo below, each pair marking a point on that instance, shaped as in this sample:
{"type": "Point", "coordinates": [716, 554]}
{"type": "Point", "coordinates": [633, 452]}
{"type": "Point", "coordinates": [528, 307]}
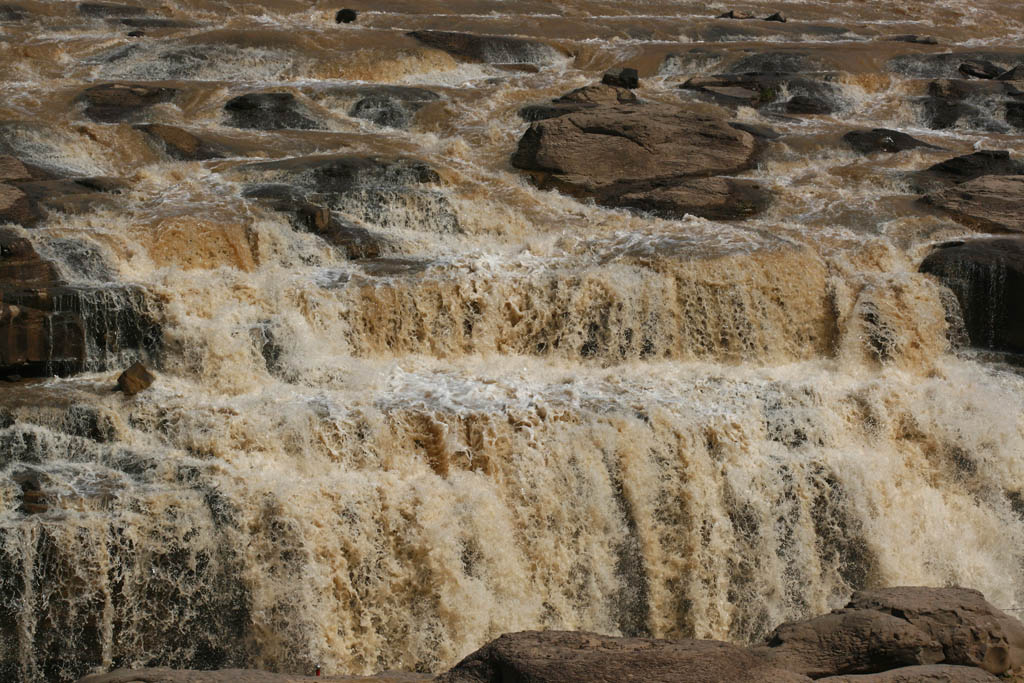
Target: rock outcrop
{"type": "Point", "coordinates": [775, 91]}
{"type": "Point", "coordinates": [882, 140]}
{"type": "Point", "coordinates": [987, 276]}
{"type": "Point", "coordinates": [991, 203]}
{"type": "Point", "coordinates": [657, 158]}
{"type": "Point", "coordinates": [268, 111]}
{"type": "Point", "coordinates": [569, 657]}
{"type": "Point", "coordinates": [960, 169]}
{"type": "Point", "coordinates": [989, 105]}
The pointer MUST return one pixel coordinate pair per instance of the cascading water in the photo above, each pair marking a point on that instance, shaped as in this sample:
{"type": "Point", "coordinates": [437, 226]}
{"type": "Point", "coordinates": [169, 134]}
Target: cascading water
{"type": "Point", "coordinates": [523, 410]}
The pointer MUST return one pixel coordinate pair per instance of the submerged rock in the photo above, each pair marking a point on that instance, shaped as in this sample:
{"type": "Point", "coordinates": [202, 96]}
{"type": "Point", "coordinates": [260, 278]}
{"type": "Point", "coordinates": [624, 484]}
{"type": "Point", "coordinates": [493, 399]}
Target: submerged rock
{"type": "Point", "coordinates": [991, 203]}
{"type": "Point", "coordinates": [393, 106]}
{"type": "Point", "coordinates": [979, 68]}
{"type": "Point", "coordinates": [975, 104]}
{"type": "Point", "coordinates": [489, 49]}
{"type": "Point", "coordinates": [765, 91]}
{"type": "Point", "coordinates": [181, 144]}
{"type": "Point", "coordinates": [882, 140]}
{"type": "Point", "coordinates": [966, 167]}
{"type": "Point", "coordinates": [268, 111]}
{"type": "Point", "coordinates": [113, 102]}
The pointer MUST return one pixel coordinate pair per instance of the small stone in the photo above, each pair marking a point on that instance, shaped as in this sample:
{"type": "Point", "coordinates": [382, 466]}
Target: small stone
{"type": "Point", "coordinates": [345, 16]}
{"type": "Point", "coordinates": [778, 16]}
{"type": "Point", "coordinates": [135, 379]}
{"type": "Point", "coordinates": [136, 34]}
{"type": "Point", "coordinates": [621, 77]}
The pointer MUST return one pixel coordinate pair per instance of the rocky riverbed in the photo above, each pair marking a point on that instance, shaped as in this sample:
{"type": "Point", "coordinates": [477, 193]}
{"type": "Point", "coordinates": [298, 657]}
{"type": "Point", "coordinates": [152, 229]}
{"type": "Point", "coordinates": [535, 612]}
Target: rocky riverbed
{"type": "Point", "coordinates": [665, 321]}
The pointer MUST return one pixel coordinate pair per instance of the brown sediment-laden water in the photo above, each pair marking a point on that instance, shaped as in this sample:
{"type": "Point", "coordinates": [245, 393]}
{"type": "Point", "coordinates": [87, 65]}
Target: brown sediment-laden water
{"type": "Point", "coordinates": [419, 384]}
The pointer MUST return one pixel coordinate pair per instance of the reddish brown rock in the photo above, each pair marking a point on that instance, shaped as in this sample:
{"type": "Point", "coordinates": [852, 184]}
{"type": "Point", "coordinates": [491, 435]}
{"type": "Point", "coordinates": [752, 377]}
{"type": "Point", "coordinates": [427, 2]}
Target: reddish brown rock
{"type": "Point", "coordinates": [851, 641]}
{"type": "Point", "coordinates": [16, 207]}
{"type": "Point", "coordinates": [971, 631]}
{"type": "Point", "coordinates": [114, 102]}
{"type": "Point", "coordinates": [990, 203]}
{"type": "Point", "coordinates": [931, 673]}
{"type": "Point", "coordinates": [570, 657]}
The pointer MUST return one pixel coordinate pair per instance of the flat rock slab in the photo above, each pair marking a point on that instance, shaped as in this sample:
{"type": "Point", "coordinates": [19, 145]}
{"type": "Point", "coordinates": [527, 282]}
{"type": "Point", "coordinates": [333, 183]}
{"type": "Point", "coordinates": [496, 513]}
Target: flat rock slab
{"type": "Point", "coordinates": [932, 673]}
{"type": "Point", "coordinates": [714, 198]}
{"type": "Point", "coordinates": [991, 203]}
{"type": "Point", "coordinates": [570, 657]}
{"type": "Point", "coordinates": [882, 140]}
{"type": "Point", "coordinates": [239, 676]}
{"type": "Point", "coordinates": [592, 149]}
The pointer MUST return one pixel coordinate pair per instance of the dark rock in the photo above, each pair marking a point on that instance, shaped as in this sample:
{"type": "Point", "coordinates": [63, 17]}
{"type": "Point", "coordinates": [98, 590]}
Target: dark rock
{"type": "Point", "coordinates": [16, 207]}
{"type": "Point", "coordinates": [345, 16]}
{"type": "Point", "coordinates": [993, 203]}
{"type": "Point", "coordinates": [114, 102]}
{"type": "Point", "coordinates": [70, 195]}
{"type": "Point", "coordinates": [882, 140]}
{"type": "Point", "coordinates": [757, 130]}
{"type": "Point", "coordinates": [805, 104]}
{"type": "Point", "coordinates": [987, 105]}
{"type": "Point", "coordinates": [850, 642]}
{"type": "Point", "coordinates": [33, 498]}
{"type": "Point", "coordinates": [1014, 74]}
{"type": "Point", "coordinates": [268, 111]}
{"type": "Point", "coordinates": [971, 631]}
{"type": "Point", "coordinates": [621, 77]}
{"type": "Point", "coordinates": [38, 343]}
{"type": "Point", "coordinates": [946, 65]}
{"type": "Point", "coordinates": [181, 144]}
{"type": "Point", "coordinates": [489, 49]}
{"type": "Point", "coordinates": [11, 13]}
{"type": "Point", "coordinates": [385, 110]}
{"type": "Point", "coordinates": [778, 16]}
{"type": "Point", "coordinates": [764, 90]}
{"type": "Point", "coordinates": [135, 379]}
{"type": "Point", "coordinates": [912, 38]}
{"type": "Point", "coordinates": [304, 215]}
{"type": "Point", "coordinates": [776, 62]}
{"type": "Point", "coordinates": [136, 34]}
{"type": "Point", "coordinates": [979, 68]}
{"type": "Point", "coordinates": [967, 167]}
{"type": "Point", "coordinates": [109, 9]}
{"type": "Point", "coordinates": [564, 657]}
{"type": "Point", "coordinates": [929, 673]}
{"type": "Point", "coordinates": [734, 14]}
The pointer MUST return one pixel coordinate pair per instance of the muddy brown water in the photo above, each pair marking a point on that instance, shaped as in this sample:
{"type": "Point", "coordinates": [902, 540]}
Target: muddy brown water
{"type": "Point", "coordinates": [529, 411]}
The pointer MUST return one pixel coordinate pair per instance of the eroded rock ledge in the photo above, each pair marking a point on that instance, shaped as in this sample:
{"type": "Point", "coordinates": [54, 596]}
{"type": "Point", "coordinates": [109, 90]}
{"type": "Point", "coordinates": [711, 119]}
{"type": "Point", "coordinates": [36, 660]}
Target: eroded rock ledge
{"type": "Point", "coordinates": [904, 635]}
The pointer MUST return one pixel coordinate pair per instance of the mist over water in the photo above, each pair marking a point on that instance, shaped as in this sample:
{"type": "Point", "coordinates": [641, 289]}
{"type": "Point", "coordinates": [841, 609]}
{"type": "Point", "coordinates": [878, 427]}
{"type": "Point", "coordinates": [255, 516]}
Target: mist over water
{"type": "Point", "coordinates": [523, 411]}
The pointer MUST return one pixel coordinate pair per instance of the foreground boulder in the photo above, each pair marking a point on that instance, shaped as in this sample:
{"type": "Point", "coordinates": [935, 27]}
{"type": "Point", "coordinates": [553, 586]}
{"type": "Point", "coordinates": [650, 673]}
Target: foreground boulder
{"type": "Point", "coordinates": [651, 157]}
{"type": "Point", "coordinates": [569, 657]}
{"type": "Point", "coordinates": [970, 630]}
{"type": "Point", "coordinates": [489, 49]}
{"type": "Point", "coordinates": [990, 203]}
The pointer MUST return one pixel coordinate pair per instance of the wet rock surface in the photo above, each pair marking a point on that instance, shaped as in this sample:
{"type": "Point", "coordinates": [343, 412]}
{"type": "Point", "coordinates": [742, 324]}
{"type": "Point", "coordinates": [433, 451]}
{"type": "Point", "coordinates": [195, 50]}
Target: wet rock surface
{"type": "Point", "coordinates": [651, 157]}
{"type": "Point", "coordinates": [882, 140]}
{"type": "Point", "coordinates": [993, 203]}
{"type": "Point", "coordinates": [488, 49]}
{"type": "Point", "coordinates": [114, 102]}
{"type": "Point", "coordinates": [986, 275]}
{"type": "Point", "coordinates": [268, 111]}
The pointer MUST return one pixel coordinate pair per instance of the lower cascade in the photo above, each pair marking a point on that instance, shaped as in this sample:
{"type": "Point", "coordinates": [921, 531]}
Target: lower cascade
{"type": "Point", "coordinates": [563, 341]}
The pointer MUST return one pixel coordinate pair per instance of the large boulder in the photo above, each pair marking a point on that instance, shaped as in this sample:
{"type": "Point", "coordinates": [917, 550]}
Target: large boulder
{"type": "Point", "coordinates": [989, 105]}
{"type": "Point", "coordinates": [651, 157]}
{"type": "Point", "coordinates": [851, 642]}
{"type": "Point", "coordinates": [970, 630]}
{"type": "Point", "coordinates": [773, 91]}
{"type": "Point", "coordinates": [987, 276]}
{"type": "Point", "coordinates": [587, 97]}
{"type": "Point", "coordinates": [990, 203]}
{"type": "Point", "coordinates": [569, 657]}
{"type": "Point", "coordinates": [489, 49]}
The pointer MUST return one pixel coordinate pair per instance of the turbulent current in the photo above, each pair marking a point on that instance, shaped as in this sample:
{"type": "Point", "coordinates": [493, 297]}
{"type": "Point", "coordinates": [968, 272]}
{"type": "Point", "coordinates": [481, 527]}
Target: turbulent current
{"type": "Point", "coordinates": [488, 407]}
